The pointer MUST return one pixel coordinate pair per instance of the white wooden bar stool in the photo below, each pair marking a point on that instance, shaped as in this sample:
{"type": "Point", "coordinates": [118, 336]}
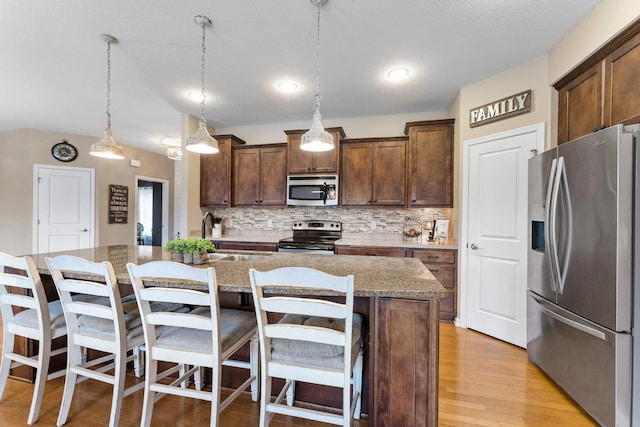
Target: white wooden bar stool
{"type": "Point", "coordinates": [316, 341]}
{"type": "Point", "coordinates": [33, 318]}
{"type": "Point", "coordinates": [96, 319]}
{"type": "Point", "coordinates": [207, 336]}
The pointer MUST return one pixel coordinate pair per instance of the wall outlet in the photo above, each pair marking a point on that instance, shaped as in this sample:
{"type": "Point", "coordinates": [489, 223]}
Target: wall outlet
{"type": "Point", "coordinates": [373, 225]}
{"type": "Point", "coordinates": [269, 223]}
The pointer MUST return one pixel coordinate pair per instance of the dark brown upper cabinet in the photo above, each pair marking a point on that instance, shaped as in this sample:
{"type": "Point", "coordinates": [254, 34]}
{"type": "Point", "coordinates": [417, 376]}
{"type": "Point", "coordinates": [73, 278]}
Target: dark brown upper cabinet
{"type": "Point", "coordinates": [430, 163]}
{"type": "Point", "coordinates": [260, 175]}
{"type": "Point", "coordinates": [300, 162]}
{"type": "Point", "coordinates": [603, 90]}
{"type": "Point", "coordinates": [373, 172]}
{"type": "Point", "coordinates": [215, 173]}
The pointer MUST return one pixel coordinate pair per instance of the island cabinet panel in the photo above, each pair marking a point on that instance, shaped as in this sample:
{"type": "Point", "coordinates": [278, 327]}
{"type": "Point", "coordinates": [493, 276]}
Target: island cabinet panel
{"type": "Point", "coordinates": [300, 162]}
{"type": "Point", "coordinates": [430, 163]}
{"type": "Point", "coordinates": [442, 264]}
{"type": "Point", "coordinates": [371, 251]}
{"type": "Point", "coordinates": [215, 173]}
{"type": "Point", "coordinates": [603, 90]}
{"type": "Point", "coordinates": [259, 175]}
{"type": "Point", "coordinates": [373, 172]}
{"type": "Point", "coordinates": [406, 365]}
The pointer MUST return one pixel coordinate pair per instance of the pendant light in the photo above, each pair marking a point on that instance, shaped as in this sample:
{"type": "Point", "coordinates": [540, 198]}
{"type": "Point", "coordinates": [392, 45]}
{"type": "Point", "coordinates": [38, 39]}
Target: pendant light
{"type": "Point", "coordinates": [174, 153]}
{"type": "Point", "coordinates": [107, 148]}
{"type": "Point", "coordinates": [317, 139]}
{"type": "Point", "coordinates": [201, 141]}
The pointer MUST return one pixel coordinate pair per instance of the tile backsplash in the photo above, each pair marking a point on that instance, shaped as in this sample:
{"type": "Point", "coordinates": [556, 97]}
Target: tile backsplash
{"type": "Point", "coordinates": [354, 220]}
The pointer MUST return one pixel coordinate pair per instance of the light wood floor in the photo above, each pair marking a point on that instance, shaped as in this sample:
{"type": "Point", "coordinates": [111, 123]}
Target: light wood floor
{"type": "Point", "coordinates": [483, 382]}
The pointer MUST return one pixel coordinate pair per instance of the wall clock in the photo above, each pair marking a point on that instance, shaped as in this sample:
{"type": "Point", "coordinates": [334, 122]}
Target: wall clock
{"type": "Point", "coordinates": [64, 151]}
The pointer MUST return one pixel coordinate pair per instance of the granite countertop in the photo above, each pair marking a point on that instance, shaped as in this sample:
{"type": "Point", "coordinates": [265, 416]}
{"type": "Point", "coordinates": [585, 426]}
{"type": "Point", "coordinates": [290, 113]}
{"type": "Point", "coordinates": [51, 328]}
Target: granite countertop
{"type": "Point", "coordinates": [374, 276]}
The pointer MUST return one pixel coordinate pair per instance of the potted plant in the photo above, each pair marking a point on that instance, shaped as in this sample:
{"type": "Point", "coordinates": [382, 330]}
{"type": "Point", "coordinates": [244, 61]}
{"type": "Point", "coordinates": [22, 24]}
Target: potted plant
{"type": "Point", "coordinates": [197, 250]}
{"type": "Point", "coordinates": [177, 248]}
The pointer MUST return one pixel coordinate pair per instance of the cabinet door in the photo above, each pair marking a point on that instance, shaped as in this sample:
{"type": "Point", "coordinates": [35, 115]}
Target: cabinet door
{"type": "Point", "coordinates": [431, 165]}
{"type": "Point", "coordinates": [371, 251]}
{"type": "Point", "coordinates": [356, 179]}
{"type": "Point", "coordinates": [580, 105]}
{"type": "Point", "coordinates": [247, 246]}
{"type": "Point", "coordinates": [215, 176]}
{"type": "Point", "coordinates": [390, 176]}
{"type": "Point", "coordinates": [298, 161]}
{"type": "Point", "coordinates": [273, 176]}
{"type": "Point", "coordinates": [442, 264]}
{"type": "Point", "coordinates": [305, 162]}
{"type": "Point", "coordinates": [622, 84]}
{"type": "Point", "coordinates": [406, 364]}
{"type": "Point", "coordinates": [246, 177]}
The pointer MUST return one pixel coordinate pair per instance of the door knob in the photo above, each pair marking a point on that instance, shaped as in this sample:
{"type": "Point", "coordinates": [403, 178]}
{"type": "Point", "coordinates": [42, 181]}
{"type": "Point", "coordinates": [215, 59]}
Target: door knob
{"type": "Point", "coordinates": [84, 230]}
{"type": "Point", "coordinates": [474, 247]}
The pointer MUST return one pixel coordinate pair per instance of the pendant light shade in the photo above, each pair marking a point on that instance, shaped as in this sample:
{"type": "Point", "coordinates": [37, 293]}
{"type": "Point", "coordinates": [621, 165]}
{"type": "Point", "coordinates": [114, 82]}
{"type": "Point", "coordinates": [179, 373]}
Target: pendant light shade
{"type": "Point", "coordinates": [201, 141]}
{"type": "Point", "coordinates": [107, 148]}
{"type": "Point", "coordinates": [317, 139]}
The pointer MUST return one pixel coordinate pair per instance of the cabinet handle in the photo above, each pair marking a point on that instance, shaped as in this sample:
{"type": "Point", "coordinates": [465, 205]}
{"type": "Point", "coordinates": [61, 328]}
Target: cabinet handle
{"type": "Point", "coordinates": [257, 201]}
{"type": "Point", "coordinates": [414, 200]}
{"type": "Point", "coordinates": [224, 201]}
{"type": "Point", "coordinates": [434, 270]}
{"type": "Point", "coordinates": [433, 256]}
{"type": "Point", "coordinates": [370, 254]}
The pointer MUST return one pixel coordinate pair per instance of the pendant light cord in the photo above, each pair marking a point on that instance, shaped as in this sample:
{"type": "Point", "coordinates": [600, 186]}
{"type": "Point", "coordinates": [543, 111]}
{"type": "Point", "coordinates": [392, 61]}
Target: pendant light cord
{"type": "Point", "coordinates": [319, 2]}
{"type": "Point", "coordinates": [108, 86]}
{"type": "Point", "coordinates": [204, 97]}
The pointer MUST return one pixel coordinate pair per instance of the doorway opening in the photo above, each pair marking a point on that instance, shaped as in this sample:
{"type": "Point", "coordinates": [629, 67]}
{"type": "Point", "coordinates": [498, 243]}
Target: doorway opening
{"type": "Point", "coordinates": [152, 211]}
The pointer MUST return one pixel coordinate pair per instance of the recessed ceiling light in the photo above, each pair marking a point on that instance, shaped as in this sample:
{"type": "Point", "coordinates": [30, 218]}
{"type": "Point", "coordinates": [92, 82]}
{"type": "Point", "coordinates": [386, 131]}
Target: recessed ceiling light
{"type": "Point", "coordinates": [398, 73]}
{"type": "Point", "coordinates": [195, 96]}
{"type": "Point", "coordinates": [287, 86]}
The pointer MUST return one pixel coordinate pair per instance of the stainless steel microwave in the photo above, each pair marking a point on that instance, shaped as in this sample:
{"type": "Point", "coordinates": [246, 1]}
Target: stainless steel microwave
{"type": "Point", "coordinates": [312, 190]}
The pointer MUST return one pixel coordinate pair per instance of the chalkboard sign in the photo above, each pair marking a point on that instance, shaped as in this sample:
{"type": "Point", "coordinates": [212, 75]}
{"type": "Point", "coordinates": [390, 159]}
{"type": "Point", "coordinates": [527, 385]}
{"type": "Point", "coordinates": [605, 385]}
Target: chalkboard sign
{"type": "Point", "coordinates": [118, 204]}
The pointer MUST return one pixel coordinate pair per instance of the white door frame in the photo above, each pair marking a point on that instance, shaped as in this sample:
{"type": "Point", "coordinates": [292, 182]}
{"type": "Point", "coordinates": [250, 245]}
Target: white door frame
{"type": "Point", "coordinates": [165, 205]}
{"type": "Point", "coordinates": [538, 128]}
{"type": "Point", "coordinates": [35, 207]}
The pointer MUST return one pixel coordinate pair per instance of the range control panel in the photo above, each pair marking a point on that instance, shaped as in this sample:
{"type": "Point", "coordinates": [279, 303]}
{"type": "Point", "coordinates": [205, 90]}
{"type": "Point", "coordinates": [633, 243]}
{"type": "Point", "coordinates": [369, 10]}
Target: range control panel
{"type": "Point", "coordinates": [317, 225]}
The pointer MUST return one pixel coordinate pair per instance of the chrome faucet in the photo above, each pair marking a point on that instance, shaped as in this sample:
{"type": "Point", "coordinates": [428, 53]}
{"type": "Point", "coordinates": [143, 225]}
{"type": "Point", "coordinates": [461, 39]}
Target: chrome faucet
{"type": "Point", "coordinates": [204, 223]}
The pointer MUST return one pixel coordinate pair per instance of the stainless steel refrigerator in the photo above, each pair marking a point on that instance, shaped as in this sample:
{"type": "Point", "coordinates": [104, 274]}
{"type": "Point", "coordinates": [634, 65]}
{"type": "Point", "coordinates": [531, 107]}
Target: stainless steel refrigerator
{"type": "Point", "coordinates": [581, 307]}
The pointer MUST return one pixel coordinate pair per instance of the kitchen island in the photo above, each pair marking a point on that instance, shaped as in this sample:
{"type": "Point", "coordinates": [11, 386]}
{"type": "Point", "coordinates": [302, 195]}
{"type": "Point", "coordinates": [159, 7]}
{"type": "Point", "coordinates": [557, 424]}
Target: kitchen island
{"type": "Point", "coordinates": [397, 296]}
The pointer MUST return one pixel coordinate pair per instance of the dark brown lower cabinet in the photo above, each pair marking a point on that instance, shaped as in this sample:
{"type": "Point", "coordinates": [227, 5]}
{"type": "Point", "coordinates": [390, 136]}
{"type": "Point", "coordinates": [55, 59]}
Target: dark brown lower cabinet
{"type": "Point", "coordinates": [247, 246]}
{"type": "Point", "coordinates": [406, 366]}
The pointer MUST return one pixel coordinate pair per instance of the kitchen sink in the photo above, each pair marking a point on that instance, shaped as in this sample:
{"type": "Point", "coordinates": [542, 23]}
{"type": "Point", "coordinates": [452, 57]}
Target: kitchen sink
{"type": "Point", "coordinates": [236, 257]}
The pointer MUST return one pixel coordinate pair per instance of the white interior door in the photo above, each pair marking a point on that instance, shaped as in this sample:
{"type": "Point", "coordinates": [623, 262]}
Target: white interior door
{"type": "Point", "coordinates": [63, 208]}
{"type": "Point", "coordinates": [496, 236]}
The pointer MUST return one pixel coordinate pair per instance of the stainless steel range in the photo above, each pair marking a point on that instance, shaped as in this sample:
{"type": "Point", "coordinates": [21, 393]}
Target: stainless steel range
{"type": "Point", "coordinates": [313, 236]}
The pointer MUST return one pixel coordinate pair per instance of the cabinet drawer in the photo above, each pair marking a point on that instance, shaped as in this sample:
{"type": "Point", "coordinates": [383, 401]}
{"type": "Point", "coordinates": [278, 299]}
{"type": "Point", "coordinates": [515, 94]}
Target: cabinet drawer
{"type": "Point", "coordinates": [371, 251]}
{"type": "Point", "coordinates": [446, 274]}
{"type": "Point", "coordinates": [435, 256]}
{"type": "Point", "coordinates": [247, 246]}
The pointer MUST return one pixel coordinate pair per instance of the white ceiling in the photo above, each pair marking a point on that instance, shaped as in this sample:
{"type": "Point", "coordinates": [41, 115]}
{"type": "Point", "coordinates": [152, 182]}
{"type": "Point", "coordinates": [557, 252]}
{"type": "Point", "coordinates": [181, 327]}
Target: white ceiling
{"type": "Point", "coordinates": [53, 66]}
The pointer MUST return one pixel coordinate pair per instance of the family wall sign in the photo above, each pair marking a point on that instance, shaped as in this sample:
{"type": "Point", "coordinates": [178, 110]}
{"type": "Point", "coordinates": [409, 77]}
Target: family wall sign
{"type": "Point", "coordinates": [510, 106]}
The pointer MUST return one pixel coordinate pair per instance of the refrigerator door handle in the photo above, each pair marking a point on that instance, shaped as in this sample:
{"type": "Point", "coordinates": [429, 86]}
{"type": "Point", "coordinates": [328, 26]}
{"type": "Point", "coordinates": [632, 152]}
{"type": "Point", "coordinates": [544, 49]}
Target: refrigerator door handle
{"type": "Point", "coordinates": [548, 242]}
{"type": "Point", "coordinates": [571, 323]}
{"type": "Point", "coordinates": [562, 274]}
